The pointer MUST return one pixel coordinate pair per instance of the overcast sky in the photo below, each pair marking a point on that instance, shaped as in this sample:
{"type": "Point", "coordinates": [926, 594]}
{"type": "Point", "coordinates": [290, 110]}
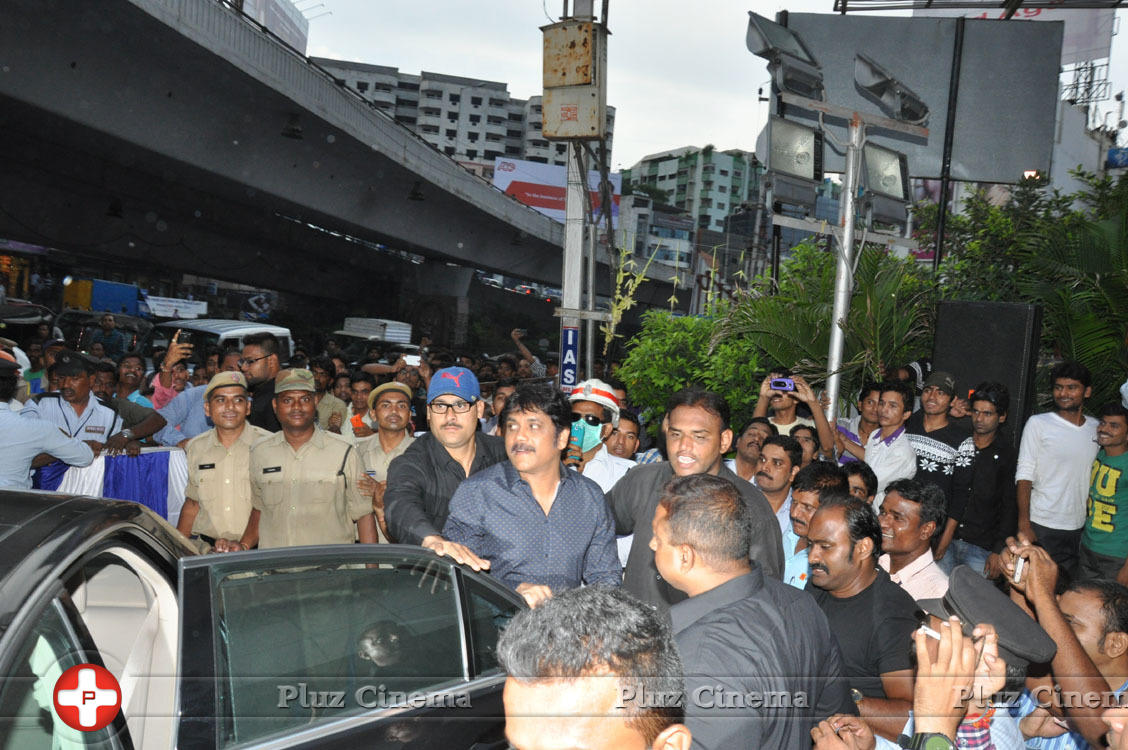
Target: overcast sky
{"type": "Point", "coordinates": [678, 72]}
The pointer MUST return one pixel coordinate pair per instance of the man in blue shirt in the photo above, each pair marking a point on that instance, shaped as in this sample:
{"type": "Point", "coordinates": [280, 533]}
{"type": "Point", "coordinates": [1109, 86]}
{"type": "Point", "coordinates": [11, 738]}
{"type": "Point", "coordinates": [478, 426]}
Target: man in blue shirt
{"type": "Point", "coordinates": [541, 527]}
{"type": "Point", "coordinates": [22, 439]}
{"type": "Point", "coordinates": [113, 341]}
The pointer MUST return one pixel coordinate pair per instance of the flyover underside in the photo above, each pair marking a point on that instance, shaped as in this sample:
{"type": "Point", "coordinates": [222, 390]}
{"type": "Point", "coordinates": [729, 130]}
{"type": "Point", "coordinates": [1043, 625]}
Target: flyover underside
{"type": "Point", "coordinates": [197, 142]}
{"type": "Point", "coordinates": [151, 131]}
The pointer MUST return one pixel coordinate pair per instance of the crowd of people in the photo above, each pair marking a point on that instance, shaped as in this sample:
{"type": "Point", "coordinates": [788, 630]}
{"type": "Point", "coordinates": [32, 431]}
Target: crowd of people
{"type": "Point", "coordinates": [905, 576]}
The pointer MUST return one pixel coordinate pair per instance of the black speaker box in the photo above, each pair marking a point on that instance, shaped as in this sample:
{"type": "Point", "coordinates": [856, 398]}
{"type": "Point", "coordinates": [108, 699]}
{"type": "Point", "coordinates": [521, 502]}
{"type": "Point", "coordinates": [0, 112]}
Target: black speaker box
{"type": "Point", "coordinates": [978, 341]}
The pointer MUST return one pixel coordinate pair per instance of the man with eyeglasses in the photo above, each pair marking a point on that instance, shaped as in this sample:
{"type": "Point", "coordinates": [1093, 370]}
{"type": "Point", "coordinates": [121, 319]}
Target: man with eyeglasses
{"type": "Point", "coordinates": [390, 409]}
{"type": "Point", "coordinates": [260, 364]}
{"type": "Point", "coordinates": [422, 480]}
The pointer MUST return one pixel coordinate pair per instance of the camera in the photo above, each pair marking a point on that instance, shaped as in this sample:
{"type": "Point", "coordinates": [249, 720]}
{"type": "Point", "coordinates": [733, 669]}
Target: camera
{"type": "Point", "coordinates": [783, 384]}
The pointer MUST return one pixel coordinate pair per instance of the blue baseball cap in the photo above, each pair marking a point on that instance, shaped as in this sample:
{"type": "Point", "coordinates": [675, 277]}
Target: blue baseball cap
{"type": "Point", "coordinates": [454, 381]}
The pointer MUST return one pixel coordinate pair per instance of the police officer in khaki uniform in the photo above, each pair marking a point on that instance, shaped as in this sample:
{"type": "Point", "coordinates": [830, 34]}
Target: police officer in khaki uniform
{"type": "Point", "coordinates": [217, 499]}
{"type": "Point", "coordinates": [303, 479]}
{"type": "Point", "coordinates": [389, 405]}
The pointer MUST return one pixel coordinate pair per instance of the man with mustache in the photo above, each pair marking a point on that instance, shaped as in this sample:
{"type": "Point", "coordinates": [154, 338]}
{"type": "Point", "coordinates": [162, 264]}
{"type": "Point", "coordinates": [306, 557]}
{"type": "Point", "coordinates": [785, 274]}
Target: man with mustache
{"type": "Point", "coordinates": [543, 528]}
{"type": "Point", "coordinates": [815, 483]}
{"type": "Point", "coordinates": [1104, 541]}
{"type": "Point", "coordinates": [422, 480]}
{"type": "Point", "coordinates": [73, 408]}
{"type": "Point", "coordinates": [871, 617]}
{"type": "Point", "coordinates": [779, 462]}
{"type": "Point", "coordinates": [748, 445]}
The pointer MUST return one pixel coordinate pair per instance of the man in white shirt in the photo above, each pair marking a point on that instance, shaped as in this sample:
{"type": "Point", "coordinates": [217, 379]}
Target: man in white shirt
{"type": "Point", "coordinates": [888, 450]}
{"type": "Point", "coordinates": [1054, 462]}
{"type": "Point", "coordinates": [595, 413]}
{"type": "Point", "coordinates": [74, 409]}
{"type": "Point", "coordinates": [911, 516]}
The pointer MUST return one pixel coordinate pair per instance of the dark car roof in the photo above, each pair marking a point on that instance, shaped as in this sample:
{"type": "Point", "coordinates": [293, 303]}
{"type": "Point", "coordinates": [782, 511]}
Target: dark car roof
{"type": "Point", "coordinates": [39, 530]}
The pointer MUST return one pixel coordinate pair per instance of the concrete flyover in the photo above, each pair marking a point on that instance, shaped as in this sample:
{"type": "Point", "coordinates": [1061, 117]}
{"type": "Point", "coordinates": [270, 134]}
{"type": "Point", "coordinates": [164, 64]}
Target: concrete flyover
{"type": "Point", "coordinates": [153, 130]}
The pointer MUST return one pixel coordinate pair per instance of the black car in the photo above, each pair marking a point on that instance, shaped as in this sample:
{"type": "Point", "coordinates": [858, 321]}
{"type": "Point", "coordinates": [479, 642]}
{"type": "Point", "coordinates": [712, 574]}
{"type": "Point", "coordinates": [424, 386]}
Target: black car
{"type": "Point", "coordinates": [331, 647]}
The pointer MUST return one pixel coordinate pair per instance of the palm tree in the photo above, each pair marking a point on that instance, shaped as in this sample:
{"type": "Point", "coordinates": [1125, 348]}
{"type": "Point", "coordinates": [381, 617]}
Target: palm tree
{"type": "Point", "coordinates": [890, 322]}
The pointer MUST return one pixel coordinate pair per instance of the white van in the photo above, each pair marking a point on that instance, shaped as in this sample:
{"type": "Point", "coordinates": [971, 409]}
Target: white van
{"type": "Point", "coordinates": [204, 333]}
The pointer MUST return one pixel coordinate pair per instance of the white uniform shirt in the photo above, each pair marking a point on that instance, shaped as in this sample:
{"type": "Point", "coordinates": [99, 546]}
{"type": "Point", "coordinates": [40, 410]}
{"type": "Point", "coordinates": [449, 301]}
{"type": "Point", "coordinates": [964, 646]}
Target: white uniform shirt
{"type": "Point", "coordinates": [97, 421]}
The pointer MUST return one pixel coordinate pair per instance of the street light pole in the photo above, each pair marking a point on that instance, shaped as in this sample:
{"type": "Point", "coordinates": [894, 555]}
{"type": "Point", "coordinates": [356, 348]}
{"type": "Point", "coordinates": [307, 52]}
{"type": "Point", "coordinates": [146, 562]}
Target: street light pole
{"type": "Point", "coordinates": [844, 274]}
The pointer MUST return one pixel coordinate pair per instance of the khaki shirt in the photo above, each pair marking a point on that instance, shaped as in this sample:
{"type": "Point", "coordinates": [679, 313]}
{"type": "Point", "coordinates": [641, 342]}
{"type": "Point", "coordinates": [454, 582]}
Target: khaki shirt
{"type": "Point", "coordinates": [308, 496]}
{"type": "Point", "coordinates": [220, 481]}
{"type": "Point", "coordinates": [375, 458]}
{"type": "Point", "coordinates": [327, 407]}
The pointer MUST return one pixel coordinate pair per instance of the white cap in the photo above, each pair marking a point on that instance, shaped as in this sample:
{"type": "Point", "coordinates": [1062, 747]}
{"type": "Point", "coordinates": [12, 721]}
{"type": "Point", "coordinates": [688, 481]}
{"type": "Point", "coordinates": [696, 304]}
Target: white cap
{"type": "Point", "coordinates": [598, 392]}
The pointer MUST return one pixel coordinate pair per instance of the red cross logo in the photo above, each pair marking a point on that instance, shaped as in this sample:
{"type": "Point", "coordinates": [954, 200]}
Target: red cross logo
{"type": "Point", "coordinates": [87, 697]}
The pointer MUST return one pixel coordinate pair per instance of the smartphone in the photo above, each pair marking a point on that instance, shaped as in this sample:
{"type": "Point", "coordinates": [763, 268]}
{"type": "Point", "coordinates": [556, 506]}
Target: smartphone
{"type": "Point", "coordinates": [783, 384]}
{"type": "Point", "coordinates": [1019, 564]}
{"type": "Point", "coordinates": [522, 332]}
{"type": "Point", "coordinates": [412, 360]}
{"type": "Point", "coordinates": [576, 437]}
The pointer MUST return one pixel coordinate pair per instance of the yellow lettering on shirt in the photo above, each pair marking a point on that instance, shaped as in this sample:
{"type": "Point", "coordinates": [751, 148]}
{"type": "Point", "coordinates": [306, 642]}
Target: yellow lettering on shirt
{"type": "Point", "coordinates": [1105, 480]}
{"type": "Point", "coordinates": [1104, 516]}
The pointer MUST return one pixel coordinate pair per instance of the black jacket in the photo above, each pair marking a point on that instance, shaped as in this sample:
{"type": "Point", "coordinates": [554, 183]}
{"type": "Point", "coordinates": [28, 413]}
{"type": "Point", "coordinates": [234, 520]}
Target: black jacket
{"type": "Point", "coordinates": [422, 481]}
{"type": "Point", "coordinates": [633, 500]}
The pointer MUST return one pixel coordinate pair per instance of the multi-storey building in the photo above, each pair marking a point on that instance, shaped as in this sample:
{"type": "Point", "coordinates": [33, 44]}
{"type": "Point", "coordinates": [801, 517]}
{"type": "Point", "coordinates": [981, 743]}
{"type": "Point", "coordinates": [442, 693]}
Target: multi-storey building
{"type": "Point", "coordinates": [469, 120]}
{"type": "Point", "coordinates": [705, 183]}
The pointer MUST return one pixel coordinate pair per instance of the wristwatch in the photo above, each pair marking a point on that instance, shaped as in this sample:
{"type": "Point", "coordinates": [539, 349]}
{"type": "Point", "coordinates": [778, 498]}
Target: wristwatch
{"type": "Point", "coordinates": [127, 434]}
{"type": "Point", "coordinates": [930, 741]}
{"type": "Point", "coordinates": [856, 695]}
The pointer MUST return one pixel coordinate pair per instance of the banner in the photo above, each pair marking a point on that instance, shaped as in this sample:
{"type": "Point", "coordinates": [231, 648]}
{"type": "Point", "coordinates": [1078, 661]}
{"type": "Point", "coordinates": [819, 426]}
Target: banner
{"type": "Point", "coordinates": [543, 187]}
{"type": "Point", "coordinates": [171, 307]}
{"type": "Point", "coordinates": [155, 479]}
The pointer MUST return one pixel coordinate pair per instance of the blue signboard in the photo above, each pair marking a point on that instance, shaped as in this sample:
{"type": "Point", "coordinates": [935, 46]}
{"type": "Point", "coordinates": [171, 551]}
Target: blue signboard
{"type": "Point", "coordinates": [569, 356]}
{"type": "Point", "coordinates": [1117, 157]}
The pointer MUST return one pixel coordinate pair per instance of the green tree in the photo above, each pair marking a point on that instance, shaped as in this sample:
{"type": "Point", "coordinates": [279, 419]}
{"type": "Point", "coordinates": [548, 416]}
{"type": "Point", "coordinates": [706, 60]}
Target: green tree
{"type": "Point", "coordinates": [673, 351]}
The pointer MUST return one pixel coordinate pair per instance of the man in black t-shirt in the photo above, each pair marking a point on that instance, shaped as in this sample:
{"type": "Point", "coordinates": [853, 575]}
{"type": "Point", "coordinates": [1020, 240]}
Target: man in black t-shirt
{"type": "Point", "coordinates": [871, 617]}
{"type": "Point", "coordinates": [937, 439]}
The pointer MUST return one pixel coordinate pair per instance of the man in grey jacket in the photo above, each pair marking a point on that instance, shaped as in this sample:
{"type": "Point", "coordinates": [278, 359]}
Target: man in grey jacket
{"type": "Point", "coordinates": [697, 436]}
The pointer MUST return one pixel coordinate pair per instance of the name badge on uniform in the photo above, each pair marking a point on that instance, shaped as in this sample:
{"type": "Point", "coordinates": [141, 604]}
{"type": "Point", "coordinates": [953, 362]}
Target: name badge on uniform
{"type": "Point", "coordinates": [206, 466]}
{"type": "Point", "coordinates": [272, 470]}
{"type": "Point", "coordinates": [96, 429]}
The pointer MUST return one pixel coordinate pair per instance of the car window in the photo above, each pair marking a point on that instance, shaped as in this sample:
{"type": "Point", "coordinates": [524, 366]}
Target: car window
{"type": "Point", "coordinates": [301, 645]}
{"type": "Point", "coordinates": [27, 717]}
{"type": "Point", "coordinates": [489, 614]}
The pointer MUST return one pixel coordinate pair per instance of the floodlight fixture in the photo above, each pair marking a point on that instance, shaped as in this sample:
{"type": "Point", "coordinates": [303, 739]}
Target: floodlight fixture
{"type": "Point", "coordinates": [795, 150]}
{"type": "Point", "coordinates": [886, 172]}
{"type": "Point", "coordinates": [893, 97]}
{"type": "Point", "coordinates": [793, 67]}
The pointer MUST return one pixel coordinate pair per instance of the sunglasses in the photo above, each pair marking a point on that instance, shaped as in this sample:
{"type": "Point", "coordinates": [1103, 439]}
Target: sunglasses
{"type": "Point", "coordinates": [591, 419]}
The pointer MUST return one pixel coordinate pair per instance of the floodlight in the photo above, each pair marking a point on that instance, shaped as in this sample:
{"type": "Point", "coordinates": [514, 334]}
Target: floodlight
{"type": "Point", "coordinates": [795, 150]}
{"type": "Point", "coordinates": [893, 97]}
{"type": "Point", "coordinates": [793, 68]}
{"type": "Point", "coordinates": [886, 172]}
